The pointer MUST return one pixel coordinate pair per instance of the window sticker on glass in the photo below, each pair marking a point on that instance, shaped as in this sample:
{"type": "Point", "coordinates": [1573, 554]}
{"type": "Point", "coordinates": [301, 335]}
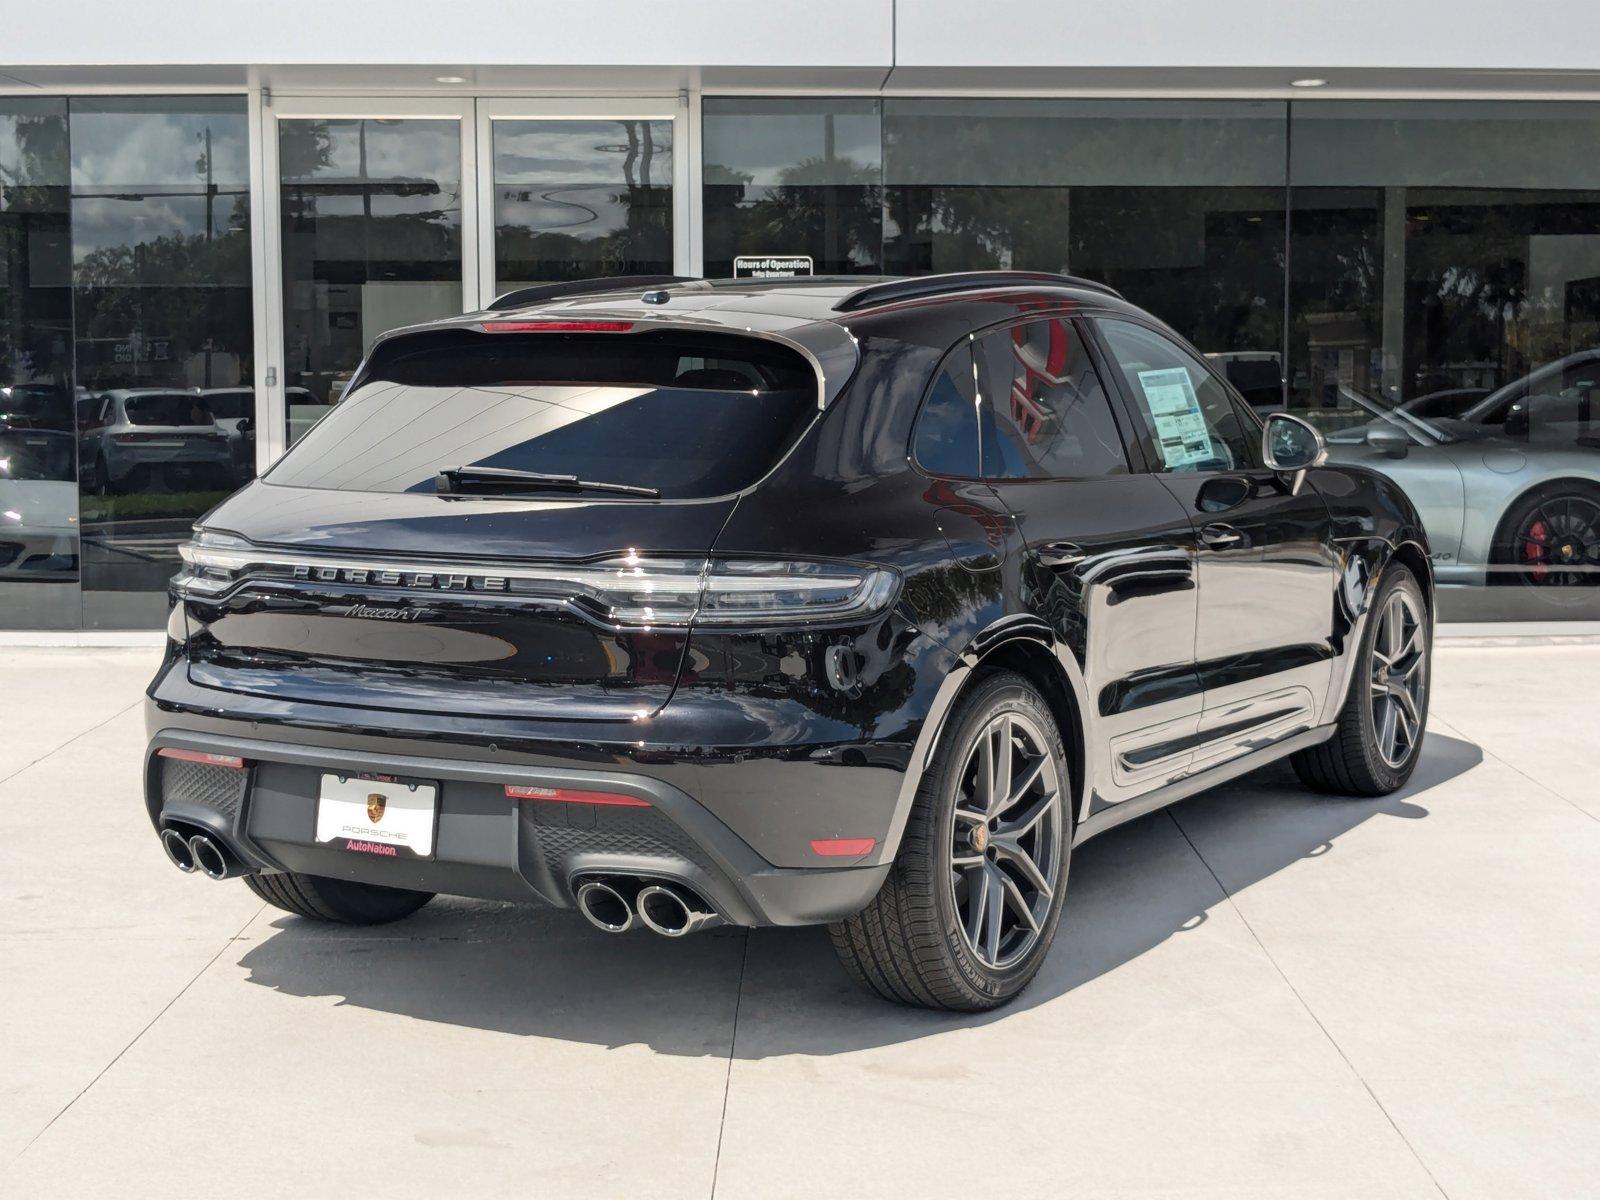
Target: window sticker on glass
{"type": "Point", "coordinates": [1175, 409]}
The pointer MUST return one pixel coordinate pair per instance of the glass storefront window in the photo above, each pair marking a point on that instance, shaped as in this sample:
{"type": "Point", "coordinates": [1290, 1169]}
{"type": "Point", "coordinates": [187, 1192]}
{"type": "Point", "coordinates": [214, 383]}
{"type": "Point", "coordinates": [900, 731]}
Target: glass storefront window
{"type": "Point", "coordinates": [1420, 278]}
{"type": "Point", "coordinates": [163, 338]}
{"type": "Point", "coordinates": [579, 199]}
{"type": "Point", "coordinates": [1445, 330]}
{"type": "Point", "coordinates": [800, 176]}
{"type": "Point", "coordinates": [38, 456]}
{"type": "Point", "coordinates": [371, 214]}
{"type": "Point", "coordinates": [1179, 205]}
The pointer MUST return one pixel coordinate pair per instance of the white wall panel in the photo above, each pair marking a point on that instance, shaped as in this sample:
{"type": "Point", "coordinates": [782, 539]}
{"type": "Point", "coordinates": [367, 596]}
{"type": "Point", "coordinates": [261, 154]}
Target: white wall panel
{"type": "Point", "coordinates": [522, 32]}
{"type": "Point", "coordinates": [1423, 34]}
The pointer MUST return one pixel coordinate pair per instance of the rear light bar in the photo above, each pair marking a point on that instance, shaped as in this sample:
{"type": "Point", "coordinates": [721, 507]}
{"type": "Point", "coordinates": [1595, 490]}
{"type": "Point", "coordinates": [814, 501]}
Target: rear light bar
{"type": "Point", "coordinates": [201, 756]}
{"type": "Point", "coordinates": [575, 796]}
{"type": "Point", "coordinates": [557, 326]}
{"type": "Point", "coordinates": [630, 591]}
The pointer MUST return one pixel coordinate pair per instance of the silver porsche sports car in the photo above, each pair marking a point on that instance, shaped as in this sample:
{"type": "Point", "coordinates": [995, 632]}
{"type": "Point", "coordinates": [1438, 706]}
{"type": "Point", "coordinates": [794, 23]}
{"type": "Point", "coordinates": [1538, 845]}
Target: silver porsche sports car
{"type": "Point", "coordinates": [1510, 489]}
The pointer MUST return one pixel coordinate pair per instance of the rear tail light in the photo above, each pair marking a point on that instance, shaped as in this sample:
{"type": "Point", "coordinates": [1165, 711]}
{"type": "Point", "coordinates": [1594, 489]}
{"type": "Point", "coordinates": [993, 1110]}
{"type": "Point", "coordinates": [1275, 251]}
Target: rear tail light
{"type": "Point", "coordinates": [639, 591]}
{"type": "Point", "coordinates": [741, 592]}
{"type": "Point", "coordinates": [211, 563]}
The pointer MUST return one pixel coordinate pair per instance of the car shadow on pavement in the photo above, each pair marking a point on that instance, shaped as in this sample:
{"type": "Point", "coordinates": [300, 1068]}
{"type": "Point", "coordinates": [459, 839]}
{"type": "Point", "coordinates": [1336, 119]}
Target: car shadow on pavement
{"type": "Point", "coordinates": [536, 972]}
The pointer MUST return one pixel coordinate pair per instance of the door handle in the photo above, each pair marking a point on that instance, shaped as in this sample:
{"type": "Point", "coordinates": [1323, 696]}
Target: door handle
{"type": "Point", "coordinates": [1157, 581]}
{"type": "Point", "coordinates": [1219, 537]}
{"type": "Point", "coordinates": [1062, 554]}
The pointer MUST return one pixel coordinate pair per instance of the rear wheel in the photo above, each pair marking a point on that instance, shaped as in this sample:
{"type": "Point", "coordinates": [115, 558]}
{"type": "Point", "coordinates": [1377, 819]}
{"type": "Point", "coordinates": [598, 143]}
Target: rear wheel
{"type": "Point", "coordinates": [970, 908]}
{"type": "Point", "coordinates": [337, 900]}
{"type": "Point", "coordinates": [1379, 735]}
{"type": "Point", "coordinates": [1553, 537]}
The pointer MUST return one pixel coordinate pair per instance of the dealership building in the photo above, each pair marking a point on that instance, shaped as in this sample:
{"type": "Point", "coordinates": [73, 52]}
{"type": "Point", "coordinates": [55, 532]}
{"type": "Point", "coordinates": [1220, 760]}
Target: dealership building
{"type": "Point", "coordinates": [1384, 216]}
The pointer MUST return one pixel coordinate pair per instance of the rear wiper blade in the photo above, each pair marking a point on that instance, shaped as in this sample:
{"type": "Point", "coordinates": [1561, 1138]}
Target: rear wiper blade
{"type": "Point", "coordinates": [459, 480]}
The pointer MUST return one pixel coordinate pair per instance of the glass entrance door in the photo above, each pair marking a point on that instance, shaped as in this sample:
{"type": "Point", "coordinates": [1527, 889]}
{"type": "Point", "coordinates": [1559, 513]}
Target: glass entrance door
{"type": "Point", "coordinates": [374, 229]}
{"type": "Point", "coordinates": [580, 189]}
{"type": "Point", "coordinates": [382, 213]}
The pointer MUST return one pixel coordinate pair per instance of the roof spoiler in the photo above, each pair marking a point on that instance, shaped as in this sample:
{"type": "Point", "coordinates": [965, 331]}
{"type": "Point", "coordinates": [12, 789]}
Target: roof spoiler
{"type": "Point", "coordinates": [583, 287]}
{"type": "Point", "coordinates": [923, 286]}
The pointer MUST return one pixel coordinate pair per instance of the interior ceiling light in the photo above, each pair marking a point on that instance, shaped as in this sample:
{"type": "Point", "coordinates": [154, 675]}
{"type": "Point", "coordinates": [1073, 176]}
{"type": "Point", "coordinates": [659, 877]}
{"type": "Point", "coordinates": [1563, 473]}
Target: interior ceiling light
{"type": "Point", "coordinates": [449, 78]}
{"type": "Point", "coordinates": [1295, 82]}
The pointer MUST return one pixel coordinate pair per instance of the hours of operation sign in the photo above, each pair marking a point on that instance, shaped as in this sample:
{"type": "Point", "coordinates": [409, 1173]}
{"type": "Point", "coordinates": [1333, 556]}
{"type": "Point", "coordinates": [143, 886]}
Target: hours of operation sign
{"type": "Point", "coordinates": [771, 266]}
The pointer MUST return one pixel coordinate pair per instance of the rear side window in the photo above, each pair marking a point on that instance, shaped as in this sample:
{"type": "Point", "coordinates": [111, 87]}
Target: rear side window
{"type": "Point", "coordinates": [946, 441]}
{"type": "Point", "coordinates": [689, 415]}
{"type": "Point", "coordinates": [1045, 414]}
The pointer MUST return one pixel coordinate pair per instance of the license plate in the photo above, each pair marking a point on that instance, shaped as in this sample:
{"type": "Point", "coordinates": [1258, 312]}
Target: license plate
{"type": "Point", "coordinates": [377, 814]}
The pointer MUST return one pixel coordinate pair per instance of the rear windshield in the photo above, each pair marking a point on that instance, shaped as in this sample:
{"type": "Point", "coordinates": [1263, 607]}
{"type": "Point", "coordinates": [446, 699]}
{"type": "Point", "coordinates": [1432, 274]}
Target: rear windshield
{"type": "Point", "coordinates": [167, 408]}
{"type": "Point", "coordinates": [687, 415]}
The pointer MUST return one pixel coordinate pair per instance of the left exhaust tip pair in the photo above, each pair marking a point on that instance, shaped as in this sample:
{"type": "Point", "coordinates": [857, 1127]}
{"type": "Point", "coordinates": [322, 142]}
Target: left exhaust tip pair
{"type": "Point", "coordinates": [197, 852]}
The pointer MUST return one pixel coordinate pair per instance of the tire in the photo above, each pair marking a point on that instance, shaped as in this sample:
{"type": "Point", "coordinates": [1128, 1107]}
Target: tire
{"type": "Point", "coordinates": [340, 901]}
{"type": "Point", "coordinates": [910, 943]}
{"type": "Point", "coordinates": [1361, 759]}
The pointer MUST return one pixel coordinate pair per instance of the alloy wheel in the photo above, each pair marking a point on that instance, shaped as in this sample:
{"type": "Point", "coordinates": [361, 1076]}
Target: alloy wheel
{"type": "Point", "coordinates": [1559, 543]}
{"type": "Point", "coordinates": [1006, 840]}
{"type": "Point", "coordinates": [1399, 677]}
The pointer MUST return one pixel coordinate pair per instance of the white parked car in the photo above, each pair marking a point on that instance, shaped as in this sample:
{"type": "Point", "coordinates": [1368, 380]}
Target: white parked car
{"type": "Point", "coordinates": [133, 434]}
{"type": "Point", "coordinates": [38, 506]}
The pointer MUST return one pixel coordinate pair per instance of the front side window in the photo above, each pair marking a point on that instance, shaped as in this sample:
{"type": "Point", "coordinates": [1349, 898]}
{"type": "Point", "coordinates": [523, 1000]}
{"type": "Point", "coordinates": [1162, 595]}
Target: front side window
{"type": "Point", "coordinates": [946, 441]}
{"type": "Point", "coordinates": [1045, 414]}
{"type": "Point", "coordinates": [1193, 423]}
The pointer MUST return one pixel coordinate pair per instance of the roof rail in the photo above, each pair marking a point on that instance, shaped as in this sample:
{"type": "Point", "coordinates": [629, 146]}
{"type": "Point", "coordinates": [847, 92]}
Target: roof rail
{"type": "Point", "coordinates": [918, 287]}
{"type": "Point", "coordinates": [583, 287]}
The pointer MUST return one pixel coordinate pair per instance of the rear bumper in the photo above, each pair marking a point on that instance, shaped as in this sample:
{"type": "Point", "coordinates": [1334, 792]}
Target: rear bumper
{"type": "Point", "coordinates": [487, 845]}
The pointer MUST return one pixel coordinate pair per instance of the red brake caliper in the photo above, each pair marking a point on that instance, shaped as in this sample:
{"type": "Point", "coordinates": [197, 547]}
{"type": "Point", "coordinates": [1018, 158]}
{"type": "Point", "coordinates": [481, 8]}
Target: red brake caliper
{"type": "Point", "coordinates": [1533, 552]}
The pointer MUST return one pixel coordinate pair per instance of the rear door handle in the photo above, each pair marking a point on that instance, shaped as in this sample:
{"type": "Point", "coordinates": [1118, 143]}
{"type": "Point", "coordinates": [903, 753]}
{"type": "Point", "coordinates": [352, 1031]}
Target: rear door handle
{"type": "Point", "coordinates": [1062, 554]}
{"type": "Point", "coordinates": [1220, 536]}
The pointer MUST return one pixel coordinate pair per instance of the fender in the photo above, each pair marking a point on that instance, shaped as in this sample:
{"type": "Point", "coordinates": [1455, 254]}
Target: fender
{"type": "Point", "coordinates": [1365, 560]}
{"type": "Point", "coordinates": [1008, 630]}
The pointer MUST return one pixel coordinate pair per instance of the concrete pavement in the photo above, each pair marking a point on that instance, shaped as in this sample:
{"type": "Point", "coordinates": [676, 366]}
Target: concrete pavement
{"type": "Point", "coordinates": [1257, 994]}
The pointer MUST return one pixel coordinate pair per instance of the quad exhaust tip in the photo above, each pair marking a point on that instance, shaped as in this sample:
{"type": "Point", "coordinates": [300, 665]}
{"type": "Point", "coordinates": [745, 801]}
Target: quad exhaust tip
{"type": "Point", "coordinates": [672, 913]}
{"type": "Point", "coordinates": [177, 848]}
{"type": "Point", "coordinates": [604, 907]}
{"type": "Point", "coordinates": [208, 856]}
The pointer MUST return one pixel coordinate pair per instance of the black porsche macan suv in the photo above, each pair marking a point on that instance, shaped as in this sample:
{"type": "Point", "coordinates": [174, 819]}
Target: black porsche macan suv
{"type": "Point", "coordinates": [829, 600]}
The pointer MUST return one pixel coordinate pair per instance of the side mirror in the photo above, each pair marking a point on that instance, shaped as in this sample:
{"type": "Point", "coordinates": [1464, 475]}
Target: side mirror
{"type": "Point", "coordinates": [1291, 445]}
{"type": "Point", "coordinates": [1388, 440]}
